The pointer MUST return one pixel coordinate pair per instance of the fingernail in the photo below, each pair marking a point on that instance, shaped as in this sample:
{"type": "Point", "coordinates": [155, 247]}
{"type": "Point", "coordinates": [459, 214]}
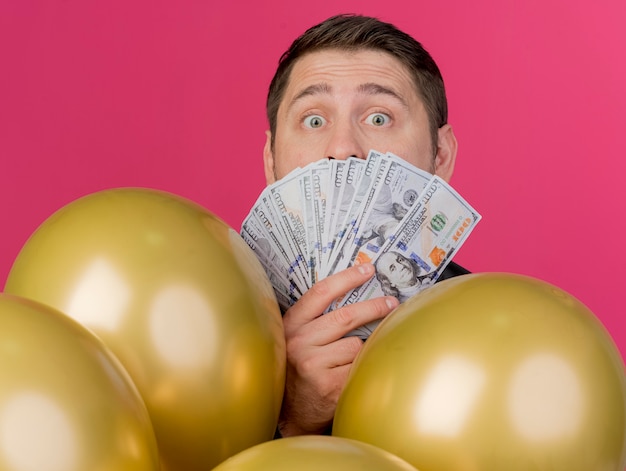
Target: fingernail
{"type": "Point", "coordinates": [366, 268]}
{"type": "Point", "coordinates": [391, 302]}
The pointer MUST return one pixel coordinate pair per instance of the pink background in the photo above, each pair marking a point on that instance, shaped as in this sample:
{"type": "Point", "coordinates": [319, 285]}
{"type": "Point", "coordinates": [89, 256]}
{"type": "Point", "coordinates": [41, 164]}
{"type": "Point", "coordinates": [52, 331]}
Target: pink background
{"type": "Point", "coordinates": [171, 95]}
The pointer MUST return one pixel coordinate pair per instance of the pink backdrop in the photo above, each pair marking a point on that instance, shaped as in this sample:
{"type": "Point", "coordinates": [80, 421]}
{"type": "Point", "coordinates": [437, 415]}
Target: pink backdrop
{"type": "Point", "coordinates": [170, 95]}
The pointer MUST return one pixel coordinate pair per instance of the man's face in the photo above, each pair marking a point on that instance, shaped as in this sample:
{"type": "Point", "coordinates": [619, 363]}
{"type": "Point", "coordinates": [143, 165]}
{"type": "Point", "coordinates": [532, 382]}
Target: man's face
{"type": "Point", "coordinates": [339, 104]}
{"type": "Point", "coordinates": [397, 269]}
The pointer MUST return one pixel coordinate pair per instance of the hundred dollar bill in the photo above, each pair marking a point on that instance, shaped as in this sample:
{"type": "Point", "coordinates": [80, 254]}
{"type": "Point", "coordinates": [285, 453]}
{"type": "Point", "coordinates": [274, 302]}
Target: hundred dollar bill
{"type": "Point", "coordinates": [261, 228]}
{"type": "Point", "coordinates": [336, 180]}
{"type": "Point", "coordinates": [396, 194]}
{"type": "Point", "coordinates": [308, 223]}
{"type": "Point", "coordinates": [264, 220]}
{"type": "Point", "coordinates": [346, 233]}
{"type": "Point", "coordinates": [342, 201]}
{"type": "Point", "coordinates": [285, 290]}
{"type": "Point", "coordinates": [286, 197]}
{"type": "Point", "coordinates": [420, 248]}
{"type": "Point", "coordinates": [319, 186]}
{"type": "Point", "coordinates": [274, 259]}
{"type": "Point", "coordinates": [357, 226]}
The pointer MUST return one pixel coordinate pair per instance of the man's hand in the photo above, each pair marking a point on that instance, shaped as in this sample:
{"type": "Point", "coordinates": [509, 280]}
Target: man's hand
{"type": "Point", "coordinates": [318, 356]}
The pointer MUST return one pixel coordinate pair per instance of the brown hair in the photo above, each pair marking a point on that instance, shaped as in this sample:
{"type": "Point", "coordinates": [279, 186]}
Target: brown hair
{"type": "Point", "coordinates": [356, 32]}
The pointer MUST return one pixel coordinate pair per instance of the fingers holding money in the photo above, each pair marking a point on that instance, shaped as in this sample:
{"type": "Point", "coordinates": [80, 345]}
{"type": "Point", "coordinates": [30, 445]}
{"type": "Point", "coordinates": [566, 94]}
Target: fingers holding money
{"type": "Point", "coordinates": [319, 357]}
{"type": "Point", "coordinates": [317, 299]}
{"type": "Point", "coordinates": [340, 322]}
{"type": "Point", "coordinates": [304, 322]}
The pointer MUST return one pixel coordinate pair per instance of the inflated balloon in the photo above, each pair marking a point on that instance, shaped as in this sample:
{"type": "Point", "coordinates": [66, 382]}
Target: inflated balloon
{"type": "Point", "coordinates": [66, 402]}
{"type": "Point", "coordinates": [182, 302]}
{"type": "Point", "coordinates": [314, 453]}
{"type": "Point", "coordinates": [490, 372]}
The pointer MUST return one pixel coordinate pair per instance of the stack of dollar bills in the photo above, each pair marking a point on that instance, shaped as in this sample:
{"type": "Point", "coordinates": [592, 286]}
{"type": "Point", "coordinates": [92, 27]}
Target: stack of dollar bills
{"type": "Point", "coordinates": [332, 214]}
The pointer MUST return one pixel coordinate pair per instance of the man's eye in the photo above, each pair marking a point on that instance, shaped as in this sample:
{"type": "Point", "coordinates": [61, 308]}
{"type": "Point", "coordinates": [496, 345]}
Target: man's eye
{"type": "Point", "coordinates": [314, 121]}
{"type": "Point", "coordinates": [378, 119]}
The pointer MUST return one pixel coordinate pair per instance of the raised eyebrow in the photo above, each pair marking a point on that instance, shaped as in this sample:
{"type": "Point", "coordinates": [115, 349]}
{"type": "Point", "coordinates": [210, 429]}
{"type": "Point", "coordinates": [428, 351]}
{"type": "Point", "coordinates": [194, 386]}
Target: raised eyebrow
{"type": "Point", "coordinates": [371, 88]}
{"type": "Point", "coordinates": [315, 89]}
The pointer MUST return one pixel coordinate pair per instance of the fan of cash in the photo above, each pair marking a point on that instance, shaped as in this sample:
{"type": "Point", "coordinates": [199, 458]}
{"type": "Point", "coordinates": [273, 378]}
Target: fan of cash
{"type": "Point", "coordinates": [332, 214]}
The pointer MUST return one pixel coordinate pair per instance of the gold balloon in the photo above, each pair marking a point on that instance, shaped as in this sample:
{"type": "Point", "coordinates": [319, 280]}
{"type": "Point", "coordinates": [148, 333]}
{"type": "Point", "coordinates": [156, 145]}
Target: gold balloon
{"type": "Point", "coordinates": [490, 372]}
{"type": "Point", "coordinates": [314, 453]}
{"type": "Point", "coordinates": [66, 403]}
{"type": "Point", "coordinates": [184, 304]}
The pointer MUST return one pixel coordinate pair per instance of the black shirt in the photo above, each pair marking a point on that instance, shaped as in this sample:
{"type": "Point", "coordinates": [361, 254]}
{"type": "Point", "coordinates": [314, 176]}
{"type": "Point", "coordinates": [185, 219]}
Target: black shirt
{"type": "Point", "coordinates": [451, 271]}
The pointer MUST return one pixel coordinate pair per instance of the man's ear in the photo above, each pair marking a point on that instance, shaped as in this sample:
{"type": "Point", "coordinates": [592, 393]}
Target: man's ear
{"type": "Point", "coordinates": [268, 159]}
{"type": "Point", "coordinates": [447, 147]}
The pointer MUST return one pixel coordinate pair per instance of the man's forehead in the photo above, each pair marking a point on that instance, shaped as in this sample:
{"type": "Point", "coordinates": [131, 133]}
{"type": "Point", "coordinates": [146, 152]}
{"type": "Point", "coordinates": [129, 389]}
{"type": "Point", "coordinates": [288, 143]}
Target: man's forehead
{"type": "Point", "coordinates": [331, 60]}
{"type": "Point", "coordinates": [369, 71]}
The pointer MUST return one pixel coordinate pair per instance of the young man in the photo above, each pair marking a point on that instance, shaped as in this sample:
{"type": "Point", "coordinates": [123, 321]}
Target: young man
{"type": "Point", "coordinates": [347, 85]}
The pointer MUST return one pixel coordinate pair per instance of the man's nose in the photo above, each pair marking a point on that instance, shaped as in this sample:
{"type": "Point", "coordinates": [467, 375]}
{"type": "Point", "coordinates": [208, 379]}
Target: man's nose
{"type": "Point", "coordinates": [345, 142]}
